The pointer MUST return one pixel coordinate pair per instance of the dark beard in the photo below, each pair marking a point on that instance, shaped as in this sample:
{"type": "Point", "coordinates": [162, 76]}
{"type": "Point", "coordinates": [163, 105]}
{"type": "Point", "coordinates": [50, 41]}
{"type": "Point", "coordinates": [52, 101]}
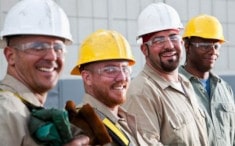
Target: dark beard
{"type": "Point", "coordinates": [170, 66]}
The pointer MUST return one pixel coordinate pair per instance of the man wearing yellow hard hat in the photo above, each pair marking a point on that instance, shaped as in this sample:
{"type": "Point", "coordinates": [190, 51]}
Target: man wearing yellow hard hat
{"type": "Point", "coordinates": [104, 63]}
{"type": "Point", "coordinates": [203, 37]}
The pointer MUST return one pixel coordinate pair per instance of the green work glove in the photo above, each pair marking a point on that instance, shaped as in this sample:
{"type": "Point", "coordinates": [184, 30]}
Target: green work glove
{"type": "Point", "coordinates": [50, 127]}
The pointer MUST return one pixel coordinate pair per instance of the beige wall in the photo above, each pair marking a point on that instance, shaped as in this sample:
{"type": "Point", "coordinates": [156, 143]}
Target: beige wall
{"type": "Point", "coordinates": [87, 16]}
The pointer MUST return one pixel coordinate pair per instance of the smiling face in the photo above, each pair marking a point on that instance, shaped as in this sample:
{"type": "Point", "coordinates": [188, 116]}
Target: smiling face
{"type": "Point", "coordinates": [165, 50]}
{"type": "Point", "coordinates": [107, 81]}
{"type": "Point", "coordinates": [201, 54]}
{"type": "Point", "coordinates": [39, 70]}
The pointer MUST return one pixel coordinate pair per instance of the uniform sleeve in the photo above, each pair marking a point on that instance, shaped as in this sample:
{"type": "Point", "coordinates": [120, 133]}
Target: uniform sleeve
{"type": "Point", "coordinates": [13, 123]}
{"type": "Point", "coordinates": [147, 118]}
{"type": "Point", "coordinates": [11, 133]}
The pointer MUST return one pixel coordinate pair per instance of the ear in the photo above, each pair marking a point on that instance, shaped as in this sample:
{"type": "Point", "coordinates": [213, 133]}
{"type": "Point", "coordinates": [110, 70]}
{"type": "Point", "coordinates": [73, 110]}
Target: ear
{"type": "Point", "coordinates": [144, 49]}
{"type": "Point", "coordinates": [186, 46]}
{"type": "Point", "coordinates": [10, 55]}
{"type": "Point", "coordinates": [87, 77]}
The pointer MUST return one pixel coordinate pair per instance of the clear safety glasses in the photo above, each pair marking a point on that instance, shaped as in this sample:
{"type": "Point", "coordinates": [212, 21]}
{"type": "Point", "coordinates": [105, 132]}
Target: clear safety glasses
{"type": "Point", "coordinates": [42, 48]}
{"type": "Point", "coordinates": [114, 71]}
{"type": "Point", "coordinates": [206, 46]}
{"type": "Point", "coordinates": [161, 40]}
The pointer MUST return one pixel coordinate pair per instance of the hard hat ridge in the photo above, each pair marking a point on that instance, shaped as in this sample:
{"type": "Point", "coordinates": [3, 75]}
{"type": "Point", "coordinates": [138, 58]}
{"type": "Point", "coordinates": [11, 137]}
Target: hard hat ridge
{"type": "Point", "coordinates": [36, 17]}
{"type": "Point", "coordinates": [103, 45]}
{"type": "Point", "coordinates": [204, 26]}
{"type": "Point", "coordinates": [158, 17]}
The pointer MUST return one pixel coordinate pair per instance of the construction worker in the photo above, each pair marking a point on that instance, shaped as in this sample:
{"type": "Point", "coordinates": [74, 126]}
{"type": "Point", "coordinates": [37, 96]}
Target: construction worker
{"type": "Point", "coordinates": [104, 63]}
{"type": "Point", "coordinates": [203, 37]}
{"type": "Point", "coordinates": [163, 100]}
{"type": "Point", "coordinates": [34, 39]}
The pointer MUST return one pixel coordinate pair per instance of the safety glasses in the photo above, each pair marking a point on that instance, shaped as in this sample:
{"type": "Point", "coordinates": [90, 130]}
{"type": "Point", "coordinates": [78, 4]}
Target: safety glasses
{"type": "Point", "coordinates": [42, 48]}
{"type": "Point", "coordinates": [161, 40]}
{"type": "Point", "coordinates": [114, 71]}
{"type": "Point", "coordinates": [206, 46]}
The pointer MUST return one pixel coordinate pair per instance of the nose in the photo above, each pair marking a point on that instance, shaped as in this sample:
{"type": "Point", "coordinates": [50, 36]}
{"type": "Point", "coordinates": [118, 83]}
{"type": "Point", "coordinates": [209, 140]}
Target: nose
{"type": "Point", "coordinates": [122, 76]}
{"type": "Point", "coordinates": [51, 54]}
{"type": "Point", "coordinates": [213, 51]}
{"type": "Point", "coordinates": [168, 43]}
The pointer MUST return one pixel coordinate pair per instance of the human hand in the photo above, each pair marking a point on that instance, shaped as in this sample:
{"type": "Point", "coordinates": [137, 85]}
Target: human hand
{"type": "Point", "coordinates": [81, 140]}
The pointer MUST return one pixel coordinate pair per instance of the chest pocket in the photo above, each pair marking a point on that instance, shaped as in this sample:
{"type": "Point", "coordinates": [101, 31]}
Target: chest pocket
{"type": "Point", "coordinates": [177, 126]}
{"type": "Point", "coordinates": [228, 107]}
{"type": "Point", "coordinates": [180, 120]}
{"type": "Point", "coordinates": [226, 113]}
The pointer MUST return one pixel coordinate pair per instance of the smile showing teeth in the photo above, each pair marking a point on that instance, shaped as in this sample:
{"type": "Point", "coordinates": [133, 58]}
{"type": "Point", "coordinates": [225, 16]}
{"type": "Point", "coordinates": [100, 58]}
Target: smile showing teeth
{"type": "Point", "coordinates": [119, 87]}
{"type": "Point", "coordinates": [169, 54]}
{"type": "Point", "coordinates": [46, 69]}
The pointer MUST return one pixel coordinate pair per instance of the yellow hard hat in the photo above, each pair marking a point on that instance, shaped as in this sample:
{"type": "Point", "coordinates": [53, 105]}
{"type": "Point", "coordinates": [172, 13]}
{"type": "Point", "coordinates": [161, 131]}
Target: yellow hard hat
{"type": "Point", "coordinates": [103, 45]}
{"type": "Point", "coordinates": [204, 26]}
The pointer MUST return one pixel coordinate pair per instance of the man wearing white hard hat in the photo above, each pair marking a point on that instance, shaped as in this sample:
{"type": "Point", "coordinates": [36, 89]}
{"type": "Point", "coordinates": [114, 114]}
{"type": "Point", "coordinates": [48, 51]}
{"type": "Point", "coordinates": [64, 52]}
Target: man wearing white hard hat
{"type": "Point", "coordinates": [34, 39]}
{"type": "Point", "coordinates": [163, 101]}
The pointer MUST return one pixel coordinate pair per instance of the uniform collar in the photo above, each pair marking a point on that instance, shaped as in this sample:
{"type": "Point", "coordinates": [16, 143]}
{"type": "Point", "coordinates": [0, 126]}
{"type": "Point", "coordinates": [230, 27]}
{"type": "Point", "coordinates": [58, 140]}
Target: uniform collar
{"type": "Point", "coordinates": [191, 76]}
{"type": "Point", "coordinates": [104, 109]}
{"type": "Point", "coordinates": [156, 77]}
{"type": "Point", "coordinates": [9, 83]}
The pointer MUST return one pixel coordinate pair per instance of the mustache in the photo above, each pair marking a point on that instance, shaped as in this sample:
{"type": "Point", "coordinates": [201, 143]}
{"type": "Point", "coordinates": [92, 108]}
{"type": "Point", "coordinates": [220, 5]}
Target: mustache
{"type": "Point", "coordinates": [47, 63]}
{"type": "Point", "coordinates": [167, 50]}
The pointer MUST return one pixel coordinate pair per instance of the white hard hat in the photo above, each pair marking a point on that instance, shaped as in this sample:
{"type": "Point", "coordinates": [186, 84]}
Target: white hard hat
{"type": "Point", "coordinates": [157, 17]}
{"type": "Point", "coordinates": [36, 17]}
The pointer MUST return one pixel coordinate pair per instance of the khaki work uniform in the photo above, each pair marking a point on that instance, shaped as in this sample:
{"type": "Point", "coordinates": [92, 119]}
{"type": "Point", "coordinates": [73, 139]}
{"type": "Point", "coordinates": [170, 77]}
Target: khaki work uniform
{"type": "Point", "coordinates": [14, 114]}
{"type": "Point", "coordinates": [166, 113]}
{"type": "Point", "coordinates": [219, 109]}
{"type": "Point", "coordinates": [126, 123]}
